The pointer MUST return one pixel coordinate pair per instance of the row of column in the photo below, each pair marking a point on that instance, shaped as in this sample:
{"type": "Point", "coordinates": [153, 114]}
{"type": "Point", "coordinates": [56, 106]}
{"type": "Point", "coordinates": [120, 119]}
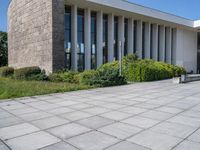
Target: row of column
{"type": "Point", "coordinates": [157, 39]}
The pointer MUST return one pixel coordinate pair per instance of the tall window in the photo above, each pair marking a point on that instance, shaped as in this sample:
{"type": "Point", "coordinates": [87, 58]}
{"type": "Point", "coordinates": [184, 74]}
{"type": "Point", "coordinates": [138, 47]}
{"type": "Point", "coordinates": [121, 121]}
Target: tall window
{"type": "Point", "coordinates": [116, 38]}
{"type": "Point", "coordinates": [159, 42]}
{"type": "Point", "coordinates": [151, 42]}
{"type": "Point", "coordinates": [93, 40]}
{"type": "Point", "coordinates": [198, 34]}
{"type": "Point", "coordinates": [165, 44]}
{"type": "Point", "coordinates": [81, 46]}
{"type": "Point", "coordinates": [125, 37]}
{"type": "Point", "coordinates": [143, 40]}
{"type": "Point", "coordinates": [105, 38]}
{"type": "Point", "coordinates": [67, 42]}
{"type": "Point", "coordinates": [135, 36]}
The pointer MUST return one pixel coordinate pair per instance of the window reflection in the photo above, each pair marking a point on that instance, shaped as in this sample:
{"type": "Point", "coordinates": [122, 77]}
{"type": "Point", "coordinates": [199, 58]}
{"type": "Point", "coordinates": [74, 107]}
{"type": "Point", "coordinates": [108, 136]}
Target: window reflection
{"type": "Point", "coordinates": [67, 42]}
{"type": "Point", "coordinates": [81, 46]}
{"type": "Point", "coordinates": [105, 38]}
{"type": "Point", "coordinates": [93, 40]}
{"type": "Point", "coordinates": [126, 36]}
{"type": "Point", "coordinates": [116, 38]}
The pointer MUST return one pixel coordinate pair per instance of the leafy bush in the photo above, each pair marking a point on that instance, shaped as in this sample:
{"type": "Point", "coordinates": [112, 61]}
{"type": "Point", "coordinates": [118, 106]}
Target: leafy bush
{"type": "Point", "coordinates": [64, 76]}
{"type": "Point", "coordinates": [102, 77]}
{"type": "Point", "coordinates": [88, 77]}
{"type": "Point", "coordinates": [30, 73]}
{"type": "Point", "coordinates": [6, 71]}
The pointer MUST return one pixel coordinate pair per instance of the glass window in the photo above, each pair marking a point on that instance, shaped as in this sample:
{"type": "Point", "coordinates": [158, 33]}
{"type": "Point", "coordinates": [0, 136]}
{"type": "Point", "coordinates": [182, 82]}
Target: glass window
{"type": "Point", "coordinates": [125, 37]}
{"type": "Point", "coordinates": [198, 40]}
{"type": "Point", "coordinates": [151, 42]}
{"type": "Point", "coordinates": [135, 36]}
{"type": "Point", "coordinates": [81, 45]}
{"type": "Point", "coordinates": [93, 40]}
{"type": "Point", "coordinates": [159, 42]}
{"type": "Point", "coordinates": [105, 38]}
{"type": "Point", "coordinates": [143, 40]}
{"type": "Point", "coordinates": [67, 42]}
{"type": "Point", "coordinates": [116, 38]}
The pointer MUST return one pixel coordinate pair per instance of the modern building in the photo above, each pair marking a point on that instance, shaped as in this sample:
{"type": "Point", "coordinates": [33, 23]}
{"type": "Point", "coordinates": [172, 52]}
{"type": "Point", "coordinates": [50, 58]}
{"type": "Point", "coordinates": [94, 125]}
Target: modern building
{"type": "Point", "coordinates": [84, 34]}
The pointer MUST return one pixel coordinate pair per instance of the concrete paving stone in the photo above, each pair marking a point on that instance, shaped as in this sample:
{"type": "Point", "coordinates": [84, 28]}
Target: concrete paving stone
{"type": "Point", "coordinates": [60, 110]}
{"type": "Point", "coordinates": [3, 146]}
{"type": "Point", "coordinates": [14, 106]}
{"type": "Point", "coordinates": [49, 122]}
{"type": "Point", "coordinates": [133, 110]}
{"type": "Point", "coordinates": [147, 106]}
{"type": "Point", "coordinates": [68, 131]}
{"type": "Point", "coordinates": [193, 122]}
{"type": "Point", "coordinates": [95, 122]}
{"type": "Point", "coordinates": [195, 137]}
{"type": "Point", "coordinates": [156, 115]}
{"type": "Point", "coordinates": [155, 141]}
{"type": "Point", "coordinates": [80, 106]}
{"type": "Point", "coordinates": [96, 110]}
{"type": "Point", "coordinates": [120, 130]}
{"type": "Point", "coordinates": [126, 146]}
{"type": "Point", "coordinates": [35, 116]}
{"type": "Point", "coordinates": [188, 145]}
{"type": "Point", "coordinates": [181, 105]}
{"type": "Point", "coordinates": [173, 129]}
{"type": "Point", "coordinates": [60, 146]}
{"type": "Point", "coordinates": [92, 141]}
{"type": "Point", "coordinates": [116, 115]}
{"type": "Point", "coordinates": [17, 130]}
{"type": "Point", "coordinates": [141, 122]}
{"type": "Point", "coordinates": [113, 106]}
{"type": "Point", "coordinates": [127, 102]}
{"type": "Point", "coordinates": [23, 111]}
{"type": "Point", "coordinates": [4, 114]}
{"type": "Point", "coordinates": [9, 103]}
{"type": "Point", "coordinates": [32, 141]}
{"type": "Point", "coordinates": [28, 100]}
{"type": "Point", "coordinates": [171, 110]}
{"type": "Point", "coordinates": [5, 122]}
{"type": "Point", "coordinates": [68, 103]}
{"type": "Point", "coordinates": [38, 103]}
{"type": "Point", "coordinates": [191, 113]}
{"type": "Point", "coordinates": [77, 115]}
{"type": "Point", "coordinates": [46, 106]}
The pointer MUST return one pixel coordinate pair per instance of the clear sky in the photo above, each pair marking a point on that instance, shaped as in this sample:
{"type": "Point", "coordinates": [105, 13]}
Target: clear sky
{"type": "Point", "coordinates": [186, 8]}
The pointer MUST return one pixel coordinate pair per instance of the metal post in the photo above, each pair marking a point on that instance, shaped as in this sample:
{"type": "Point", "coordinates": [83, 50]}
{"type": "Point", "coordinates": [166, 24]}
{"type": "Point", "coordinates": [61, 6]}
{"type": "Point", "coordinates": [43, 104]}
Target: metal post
{"type": "Point", "coordinates": [120, 58]}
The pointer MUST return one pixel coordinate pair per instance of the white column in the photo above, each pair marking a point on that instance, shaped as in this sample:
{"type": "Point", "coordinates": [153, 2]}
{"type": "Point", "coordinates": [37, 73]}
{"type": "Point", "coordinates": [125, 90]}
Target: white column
{"type": "Point", "coordinates": [87, 39]}
{"type": "Point", "coordinates": [121, 33]}
{"type": "Point", "coordinates": [168, 45]}
{"type": "Point", "coordinates": [139, 39]}
{"type": "Point", "coordinates": [74, 38]}
{"type": "Point", "coordinates": [155, 42]}
{"type": "Point", "coordinates": [162, 43]}
{"type": "Point", "coordinates": [147, 40]}
{"type": "Point", "coordinates": [130, 35]}
{"type": "Point", "coordinates": [110, 37]}
{"type": "Point", "coordinates": [99, 38]}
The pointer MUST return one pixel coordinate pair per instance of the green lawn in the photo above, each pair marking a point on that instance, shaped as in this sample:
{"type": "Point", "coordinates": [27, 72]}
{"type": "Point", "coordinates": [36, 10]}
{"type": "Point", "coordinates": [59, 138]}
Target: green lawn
{"type": "Point", "coordinates": [10, 88]}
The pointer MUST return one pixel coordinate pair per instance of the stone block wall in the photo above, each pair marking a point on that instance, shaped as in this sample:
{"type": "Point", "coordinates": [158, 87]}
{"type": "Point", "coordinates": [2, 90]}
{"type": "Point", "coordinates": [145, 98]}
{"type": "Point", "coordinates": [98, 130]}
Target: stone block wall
{"type": "Point", "coordinates": [31, 34]}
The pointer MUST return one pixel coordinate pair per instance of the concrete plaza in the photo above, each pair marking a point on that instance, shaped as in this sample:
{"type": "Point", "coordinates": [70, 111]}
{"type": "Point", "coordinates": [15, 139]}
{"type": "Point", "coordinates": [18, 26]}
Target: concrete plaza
{"type": "Point", "coordinates": [142, 116]}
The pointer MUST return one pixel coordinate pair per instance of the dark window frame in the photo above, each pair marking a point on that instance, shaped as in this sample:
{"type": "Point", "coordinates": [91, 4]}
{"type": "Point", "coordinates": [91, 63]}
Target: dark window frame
{"type": "Point", "coordinates": [93, 40]}
{"type": "Point", "coordinates": [105, 38]}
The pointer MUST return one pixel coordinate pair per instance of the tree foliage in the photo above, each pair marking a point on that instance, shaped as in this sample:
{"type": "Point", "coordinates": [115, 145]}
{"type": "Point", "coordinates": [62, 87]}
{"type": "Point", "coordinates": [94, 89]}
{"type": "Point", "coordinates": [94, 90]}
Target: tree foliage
{"type": "Point", "coordinates": [3, 49]}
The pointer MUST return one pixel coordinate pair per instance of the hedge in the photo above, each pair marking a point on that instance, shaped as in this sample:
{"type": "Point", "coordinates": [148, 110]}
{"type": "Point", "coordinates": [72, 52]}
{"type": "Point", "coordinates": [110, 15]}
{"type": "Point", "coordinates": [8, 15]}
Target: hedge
{"type": "Point", "coordinates": [6, 71]}
{"type": "Point", "coordinates": [30, 73]}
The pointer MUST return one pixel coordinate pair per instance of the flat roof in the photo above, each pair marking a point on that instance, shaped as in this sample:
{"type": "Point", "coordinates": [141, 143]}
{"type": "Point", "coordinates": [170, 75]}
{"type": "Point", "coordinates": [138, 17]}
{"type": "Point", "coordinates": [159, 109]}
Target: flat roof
{"type": "Point", "coordinates": [149, 12]}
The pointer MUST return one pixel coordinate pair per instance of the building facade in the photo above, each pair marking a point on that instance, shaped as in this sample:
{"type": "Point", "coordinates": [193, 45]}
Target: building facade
{"type": "Point", "coordinates": [84, 34]}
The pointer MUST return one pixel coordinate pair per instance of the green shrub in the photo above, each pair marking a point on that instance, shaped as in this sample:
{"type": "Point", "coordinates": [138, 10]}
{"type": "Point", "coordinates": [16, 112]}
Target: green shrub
{"type": "Point", "coordinates": [88, 77]}
{"type": "Point", "coordinates": [64, 76]}
{"type": "Point", "coordinates": [6, 71]}
{"type": "Point", "coordinates": [30, 73]}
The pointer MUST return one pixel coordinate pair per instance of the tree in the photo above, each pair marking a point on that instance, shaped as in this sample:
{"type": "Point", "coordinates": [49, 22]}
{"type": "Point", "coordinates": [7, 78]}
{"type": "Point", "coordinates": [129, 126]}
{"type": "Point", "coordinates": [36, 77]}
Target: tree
{"type": "Point", "coordinates": [3, 49]}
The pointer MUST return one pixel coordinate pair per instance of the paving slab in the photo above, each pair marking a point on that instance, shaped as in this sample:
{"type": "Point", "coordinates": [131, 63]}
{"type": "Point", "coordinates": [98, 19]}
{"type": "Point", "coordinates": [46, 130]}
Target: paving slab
{"type": "Point", "coordinates": [155, 141]}
{"type": "Point", "coordinates": [32, 141]}
{"type": "Point", "coordinates": [68, 131]}
{"type": "Point", "coordinates": [188, 145]}
{"type": "Point", "coordinates": [17, 130]}
{"type": "Point", "coordinates": [60, 146]}
{"type": "Point", "coordinates": [93, 141]}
